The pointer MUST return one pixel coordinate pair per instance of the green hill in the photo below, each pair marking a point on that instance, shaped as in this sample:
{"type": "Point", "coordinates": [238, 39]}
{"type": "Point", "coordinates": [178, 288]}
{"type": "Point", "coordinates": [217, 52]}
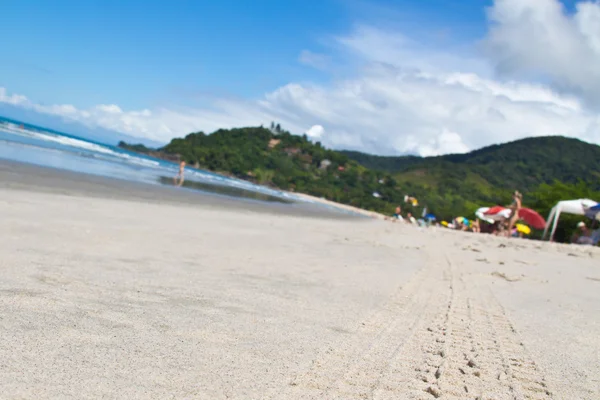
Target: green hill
{"type": "Point", "coordinates": [456, 182]}
{"type": "Point", "coordinates": [522, 164]}
{"type": "Point", "coordinates": [545, 169]}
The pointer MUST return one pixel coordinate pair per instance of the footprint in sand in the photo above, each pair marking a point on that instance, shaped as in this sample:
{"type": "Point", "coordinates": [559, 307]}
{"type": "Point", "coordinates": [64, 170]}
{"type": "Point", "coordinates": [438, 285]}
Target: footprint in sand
{"type": "Point", "coordinates": [507, 278]}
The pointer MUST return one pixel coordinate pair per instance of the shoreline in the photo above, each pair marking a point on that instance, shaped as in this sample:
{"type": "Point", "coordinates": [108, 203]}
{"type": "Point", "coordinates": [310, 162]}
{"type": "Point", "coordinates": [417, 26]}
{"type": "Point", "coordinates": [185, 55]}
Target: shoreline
{"type": "Point", "coordinates": [25, 177]}
{"type": "Point", "coordinates": [366, 213]}
{"type": "Point", "coordinates": [175, 158]}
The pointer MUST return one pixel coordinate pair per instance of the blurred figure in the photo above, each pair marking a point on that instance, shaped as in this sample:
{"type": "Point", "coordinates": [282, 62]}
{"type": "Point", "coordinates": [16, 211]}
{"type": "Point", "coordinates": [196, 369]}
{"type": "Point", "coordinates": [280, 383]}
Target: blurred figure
{"type": "Point", "coordinates": [461, 223]}
{"type": "Point", "coordinates": [582, 235]}
{"type": "Point", "coordinates": [476, 226]}
{"type": "Point", "coordinates": [180, 175]}
{"type": "Point", "coordinates": [410, 219]}
{"type": "Point", "coordinates": [398, 214]}
{"type": "Point", "coordinates": [515, 207]}
{"type": "Point", "coordinates": [412, 200]}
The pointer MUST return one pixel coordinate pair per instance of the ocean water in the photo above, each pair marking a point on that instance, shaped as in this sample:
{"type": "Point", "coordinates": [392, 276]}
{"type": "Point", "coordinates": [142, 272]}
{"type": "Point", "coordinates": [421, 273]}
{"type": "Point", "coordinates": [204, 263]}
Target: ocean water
{"type": "Point", "coordinates": [45, 147]}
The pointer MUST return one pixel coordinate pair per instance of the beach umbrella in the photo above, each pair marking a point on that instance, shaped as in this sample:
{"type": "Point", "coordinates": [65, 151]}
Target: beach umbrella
{"type": "Point", "coordinates": [497, 213]}
{"type": "Point", "coordinates": [430, 217]}
{"type": "Point", "coordinates": [480, 213]}
{"type": "Point", "coordinates": [593, 212]}
{"type": "Point", "coordinates": [532, 218]}
{"type": "Point", "coordinates": [495, 210]}
{"type": "Point", "coordinates": [523, 229]}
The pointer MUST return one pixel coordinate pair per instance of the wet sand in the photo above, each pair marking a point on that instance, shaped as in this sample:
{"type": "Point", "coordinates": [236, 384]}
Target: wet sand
{"type": "Point", "coordinates": [32, 178]}
{"type": "Point", "coordinates": [126, 293]}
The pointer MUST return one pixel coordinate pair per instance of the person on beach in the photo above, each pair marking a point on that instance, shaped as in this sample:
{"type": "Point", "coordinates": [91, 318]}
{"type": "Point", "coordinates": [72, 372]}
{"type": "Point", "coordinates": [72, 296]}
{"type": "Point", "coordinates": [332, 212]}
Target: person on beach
{"type": "Point", "coordinates": [515, 207]}
{"type": "Point", "coordinates": [476, 227]}
{"type": "Point", "coordinates": [582, 235]}
{"type": "Point", "coordinates": [179, 178]}
{"type": "Point", "coordinates": [488, 228]}
{"type": "Point", "coordinates": [461, 223]}
{"type": "Point", "coordinates": [410, 219]}
{"type": "Point", "coordinates": [398, 214]}
{"type": "Point", "coordinates": [457, 223]}
{"type": "Point", "coordinates": [466, 224]}
{"type": "Point", "coordinates": [500, 229]}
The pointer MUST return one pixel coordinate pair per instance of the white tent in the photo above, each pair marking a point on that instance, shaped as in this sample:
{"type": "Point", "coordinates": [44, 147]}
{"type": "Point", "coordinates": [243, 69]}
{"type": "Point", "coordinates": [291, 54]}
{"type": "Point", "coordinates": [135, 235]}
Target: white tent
{"type": "Point", "coordinates": [576, 207]}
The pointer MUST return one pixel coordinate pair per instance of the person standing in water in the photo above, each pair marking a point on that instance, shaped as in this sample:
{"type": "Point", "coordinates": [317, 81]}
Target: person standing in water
{"type": "Point", "coordinates": [179, 178]}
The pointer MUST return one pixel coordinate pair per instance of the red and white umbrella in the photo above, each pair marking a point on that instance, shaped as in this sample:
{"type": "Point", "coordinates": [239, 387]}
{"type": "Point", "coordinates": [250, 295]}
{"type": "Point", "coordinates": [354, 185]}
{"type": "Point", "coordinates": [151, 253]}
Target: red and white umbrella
{"type": "Point", "coordinates": [493, 214]}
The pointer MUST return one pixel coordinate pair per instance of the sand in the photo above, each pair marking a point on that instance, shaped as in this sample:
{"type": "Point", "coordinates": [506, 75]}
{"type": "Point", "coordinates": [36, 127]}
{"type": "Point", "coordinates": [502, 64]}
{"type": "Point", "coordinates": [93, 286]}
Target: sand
{"type": "Point", "coordinates": [125, 296]}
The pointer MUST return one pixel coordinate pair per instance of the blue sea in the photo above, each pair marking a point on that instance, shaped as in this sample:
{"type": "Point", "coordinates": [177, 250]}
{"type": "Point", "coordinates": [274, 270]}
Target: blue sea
{"type": "Point", "coordinates": [48, 148]}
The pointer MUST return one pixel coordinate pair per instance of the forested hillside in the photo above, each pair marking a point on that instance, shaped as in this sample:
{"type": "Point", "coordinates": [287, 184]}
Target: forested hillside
{"type": "Point", "coordinates": [522, 164]}
{"type": "Point", "coordinates": [542, 168]}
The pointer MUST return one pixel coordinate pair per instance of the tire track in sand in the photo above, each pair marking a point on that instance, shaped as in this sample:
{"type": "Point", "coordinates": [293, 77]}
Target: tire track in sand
{"type": "Point", "coordinates": [440, 336]}
{"type": "Point", "coordinates": [354, 368]}
{"type": "Point", "coordinates": [470, 350]}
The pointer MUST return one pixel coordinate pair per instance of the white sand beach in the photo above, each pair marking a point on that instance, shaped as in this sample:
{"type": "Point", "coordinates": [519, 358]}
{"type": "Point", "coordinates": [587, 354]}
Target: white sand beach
{"type": "Point", "coordinates": [110, 295]}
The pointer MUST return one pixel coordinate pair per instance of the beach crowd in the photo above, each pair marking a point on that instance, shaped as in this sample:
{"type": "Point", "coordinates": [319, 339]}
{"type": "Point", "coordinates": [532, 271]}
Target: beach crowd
{"type": "Point", "coordinates": [500, 221]}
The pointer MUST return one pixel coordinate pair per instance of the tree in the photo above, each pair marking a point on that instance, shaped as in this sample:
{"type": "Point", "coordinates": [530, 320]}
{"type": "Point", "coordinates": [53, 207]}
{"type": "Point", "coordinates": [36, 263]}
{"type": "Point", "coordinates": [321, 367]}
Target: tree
{"type": "Point", "coordinates": [546, 170]}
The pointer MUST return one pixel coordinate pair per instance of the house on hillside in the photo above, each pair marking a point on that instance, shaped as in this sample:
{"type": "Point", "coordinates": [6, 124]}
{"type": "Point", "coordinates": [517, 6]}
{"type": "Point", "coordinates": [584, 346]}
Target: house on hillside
{"type": "Point", "coordinates": [292, 151]}
{"type": "Point", "coordinates": [273, 143]}
{"type": "Point", "coordinates": [324, 164]}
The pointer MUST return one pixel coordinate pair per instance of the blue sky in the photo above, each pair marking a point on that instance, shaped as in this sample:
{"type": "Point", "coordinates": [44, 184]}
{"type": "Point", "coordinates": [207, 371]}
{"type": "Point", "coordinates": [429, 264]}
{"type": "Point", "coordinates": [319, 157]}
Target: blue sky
{"type": "Point", "coordinates": [350, 71]}
{"type": "Point", "coordinates": [146, 53]}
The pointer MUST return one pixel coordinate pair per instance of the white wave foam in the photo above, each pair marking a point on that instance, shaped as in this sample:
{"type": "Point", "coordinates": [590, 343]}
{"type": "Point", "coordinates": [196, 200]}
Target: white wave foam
{"type": "Point", "coordinates": [238, 183]}
{"type": "Point", "coordinates": [106, 153]}
{"type": "Point", "coordinates": [77, 143]}
{"type": "Point", "coordinates": [138, 160]}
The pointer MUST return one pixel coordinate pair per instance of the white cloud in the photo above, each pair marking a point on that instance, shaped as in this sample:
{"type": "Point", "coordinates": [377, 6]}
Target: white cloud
{"type": "Point", "coordinates": [538, 37]}
{"type": "Point", "coordinates": [14, 99]}
{"type": "Point", "coordinates": [110, 108]}
{"type": "Point", "coordinates": [394, 48]}
{"type": "Point", "coordinates": [446, 143]}
{"type": "Point", "coordinates": [315, 131]}
{"type": "Point", "coordinates": [410, 98]}
{"type": "Point", "coordinates": [315, 60]}
{"type": "Point", "coordinates": [392, 111]}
